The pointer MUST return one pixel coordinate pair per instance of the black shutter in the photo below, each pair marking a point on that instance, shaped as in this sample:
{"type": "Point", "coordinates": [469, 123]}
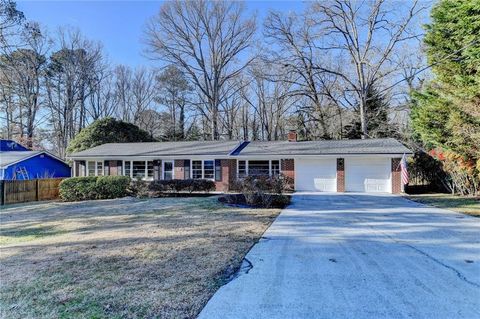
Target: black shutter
{"type": "Point", "coordinates": [119, 167]}
{"type": "Point", "coordinates": [157, 169]}
{"type": "Point", "coordinates": [186, 169]}
{"type": "Point", "coordinates": [106, 168]}
{"type": "Point", "coordinates": [218, 170]}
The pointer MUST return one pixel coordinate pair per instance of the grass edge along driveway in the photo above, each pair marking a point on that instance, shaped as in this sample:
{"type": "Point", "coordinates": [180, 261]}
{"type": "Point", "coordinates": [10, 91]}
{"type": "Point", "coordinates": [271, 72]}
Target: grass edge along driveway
{"type": "Point", "coordinates": [462, 204]}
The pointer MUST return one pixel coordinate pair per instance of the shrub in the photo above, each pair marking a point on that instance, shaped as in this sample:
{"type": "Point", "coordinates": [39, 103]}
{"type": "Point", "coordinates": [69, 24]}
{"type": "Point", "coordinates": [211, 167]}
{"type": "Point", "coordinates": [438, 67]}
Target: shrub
{"type": "Point", "coordinates": [174, 186]}
{"type": "Point", "coordinates": [202, 185]}
{"type": "Point", "coordinates": [260, 191]}
{"type": "Point", "coordinates": [78, 188]}
{"type": "Point", "coordinates": [93, 187]}
{"type": "Point", "coordinates": [274, 200]}
{"type": "Point", "coordinates": [112, 186]}
{"type": "Point", "coordinates": [139, 188]}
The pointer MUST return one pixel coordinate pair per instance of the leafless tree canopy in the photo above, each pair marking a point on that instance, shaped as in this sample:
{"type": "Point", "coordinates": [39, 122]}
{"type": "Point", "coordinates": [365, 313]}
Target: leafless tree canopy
{"type": "Point", "coordinates": [338, 69]}
{"type": "Point", "coordinates": [206, 40]}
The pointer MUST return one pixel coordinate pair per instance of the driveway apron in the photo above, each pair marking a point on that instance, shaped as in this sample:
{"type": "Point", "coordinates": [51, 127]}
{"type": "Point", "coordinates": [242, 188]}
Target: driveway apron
{"type": "Point", "coordinates": [358, 256]}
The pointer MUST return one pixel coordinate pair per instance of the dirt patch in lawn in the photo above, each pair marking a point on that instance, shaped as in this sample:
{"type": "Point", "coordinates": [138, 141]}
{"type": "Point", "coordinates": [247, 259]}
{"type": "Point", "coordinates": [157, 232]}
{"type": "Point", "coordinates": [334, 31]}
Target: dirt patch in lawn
{"type": "Point", "coordinates": [125, 258]}
{"type": "Point", "coordinates": [466, 205]}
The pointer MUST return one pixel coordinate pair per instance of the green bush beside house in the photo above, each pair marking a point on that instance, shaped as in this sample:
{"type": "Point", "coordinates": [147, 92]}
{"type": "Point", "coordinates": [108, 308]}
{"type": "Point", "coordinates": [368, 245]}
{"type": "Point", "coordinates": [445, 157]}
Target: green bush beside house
{"type": "Point", "coordinates": [94, 187]}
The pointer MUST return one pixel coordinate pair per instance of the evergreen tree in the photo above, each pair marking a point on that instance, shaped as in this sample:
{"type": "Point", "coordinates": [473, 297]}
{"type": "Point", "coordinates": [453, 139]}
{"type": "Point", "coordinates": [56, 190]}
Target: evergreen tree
{"type": "Point", "coordinates": [107, 130]}
{"type": "Point", "coordinates": [446, 114]}
{"type": "Point", "coordinates": [378, 123]}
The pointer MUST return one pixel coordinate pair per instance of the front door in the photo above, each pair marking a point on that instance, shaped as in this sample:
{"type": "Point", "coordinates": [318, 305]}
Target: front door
{"type": "Point", "coordinates": [167, 170]}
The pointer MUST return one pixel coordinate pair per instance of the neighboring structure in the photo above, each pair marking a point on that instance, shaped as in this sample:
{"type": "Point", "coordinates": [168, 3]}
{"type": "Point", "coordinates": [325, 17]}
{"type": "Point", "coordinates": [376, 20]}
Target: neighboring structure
{"type": "Point", "coordinates": [19, 163]}
{"type": "Point", "coordinates": [370, 165]}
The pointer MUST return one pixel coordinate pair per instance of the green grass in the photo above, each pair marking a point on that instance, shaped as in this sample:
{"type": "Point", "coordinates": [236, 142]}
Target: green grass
{"type": "Point", "coordinates": [16, 235]}
{"type": "Point", "coordinates": [466, 205]}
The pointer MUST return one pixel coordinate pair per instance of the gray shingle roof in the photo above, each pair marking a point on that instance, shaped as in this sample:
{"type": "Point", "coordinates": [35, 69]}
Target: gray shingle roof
{"type": "Point", "coordinates": [191, 148]}
{"type": "Point", "coordinates": [325, 147]}
{"type": "Point", "coordinates": [8, 158]}
{"type": "Point", "coordinates": [224, 148]}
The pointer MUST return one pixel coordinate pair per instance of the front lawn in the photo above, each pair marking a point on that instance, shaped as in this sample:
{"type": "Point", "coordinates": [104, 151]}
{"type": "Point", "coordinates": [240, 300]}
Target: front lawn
{"type": "Point", "coordinates": [125, 258]}
{"type": "Point", "coordinates": [466, 205]}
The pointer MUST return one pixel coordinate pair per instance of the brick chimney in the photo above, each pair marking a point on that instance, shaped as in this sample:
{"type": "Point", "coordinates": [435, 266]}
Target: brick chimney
{"type": "Point", "coordinates": [292, 136]}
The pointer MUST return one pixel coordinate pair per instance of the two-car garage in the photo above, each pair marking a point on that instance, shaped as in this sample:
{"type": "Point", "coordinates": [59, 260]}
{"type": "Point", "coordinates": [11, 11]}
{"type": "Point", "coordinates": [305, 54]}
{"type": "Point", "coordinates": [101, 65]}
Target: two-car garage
{"type": "Point", "coordinates": [361, 174]}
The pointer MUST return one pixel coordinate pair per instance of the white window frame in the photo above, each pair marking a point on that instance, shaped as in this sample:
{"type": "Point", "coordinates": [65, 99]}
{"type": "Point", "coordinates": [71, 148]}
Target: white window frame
{"type": "Point", "coordinates": [146, 178]}
{"type": "Point", "coordinates": [96, 167]}
{"type": "Point", "coordinates": [203, 168]}
{"type": "Point", "coordinates": [269, 166]}
{"type": "Point", "coordinates": [102, 163]}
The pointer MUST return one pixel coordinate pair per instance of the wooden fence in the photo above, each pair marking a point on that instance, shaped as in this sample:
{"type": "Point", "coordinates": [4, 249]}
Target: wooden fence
{"type": "Point", "coordinates": [21, 191]}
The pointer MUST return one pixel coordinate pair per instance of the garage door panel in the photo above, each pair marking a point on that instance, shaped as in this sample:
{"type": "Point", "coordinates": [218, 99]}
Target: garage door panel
{"type": "Point", "coordinates": [367, 175]}
{"type": "Point", "coordinates": [316, 175]}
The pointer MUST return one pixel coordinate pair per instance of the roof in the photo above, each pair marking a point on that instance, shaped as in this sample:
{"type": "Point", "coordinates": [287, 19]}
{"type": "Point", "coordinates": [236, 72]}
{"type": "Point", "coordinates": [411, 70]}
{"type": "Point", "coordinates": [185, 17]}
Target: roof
{"type": "Point", "coordinates": [10, 158]}
{"type": "Point", "coordinates": [11, 146]}
{"type": "Point", "coordinates": [326, 147]}
{"type": "Point", "coordinates": [234, 148]}
{"type": "Point", "coordinates": [191, 148]}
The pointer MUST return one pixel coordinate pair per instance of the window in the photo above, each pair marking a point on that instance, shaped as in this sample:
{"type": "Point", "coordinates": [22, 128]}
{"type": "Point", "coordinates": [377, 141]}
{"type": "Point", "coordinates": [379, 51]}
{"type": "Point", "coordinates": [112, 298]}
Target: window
{"type": "Point", "coordinates": [138, 169]}
{"type": "Point", "coordinates": [196, 169]}
{"type": "Point", "coordinates": [208, 169]}
{"type": "Point", "coordinates": [90, 168]}
{"type": "Point", "coordinates": [203, 169]}
{"type": "Point", "coordinates": [99, 168]}
{"type": "Point", "coordinates": [150, 169]}
{"type": "Point", "coordinates": [258, 168]}
{"type": "Point", "coordinates": [242, 169]}
{"type": "Point", "coordinates": [168, 170]}
{"type": "Point", "coordinates": [275, 168]}
{"type": "Point", "coordinates": [127, 168]}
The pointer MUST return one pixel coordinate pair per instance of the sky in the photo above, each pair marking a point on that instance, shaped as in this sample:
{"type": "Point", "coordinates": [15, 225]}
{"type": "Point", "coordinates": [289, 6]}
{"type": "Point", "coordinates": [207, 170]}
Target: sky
{"type": "Point", "coordinates": [119, 25]}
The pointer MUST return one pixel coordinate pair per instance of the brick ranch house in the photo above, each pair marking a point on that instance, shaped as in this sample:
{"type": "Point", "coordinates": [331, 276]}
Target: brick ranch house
{"type": "Point", "coordinates": [370, 165]}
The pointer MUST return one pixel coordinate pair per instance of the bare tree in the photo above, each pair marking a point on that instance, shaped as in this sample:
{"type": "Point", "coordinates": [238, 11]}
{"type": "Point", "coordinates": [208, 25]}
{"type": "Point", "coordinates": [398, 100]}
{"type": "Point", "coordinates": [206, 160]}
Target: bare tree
{"type": "Point", "coordinates": [101, 100]}
{"type": "Point", "coordinates": [69, 73]}
{"type": "Point", "coordinates": [173, 92]}
{"type": "Point", "coordinates": [143, 92]}
{"type": "Point", "coordinates": [206, 39]}
{"type": "Point", "coordinates": [123, 92]}
{"type": "Point", "coordinates": [363, 35]}
{"type": "Point", "coordinates": [294, 53]}
{"type": "Point", "coordinates": [11, 23]}
{"type": "Point", "coordinates": [22, 71]}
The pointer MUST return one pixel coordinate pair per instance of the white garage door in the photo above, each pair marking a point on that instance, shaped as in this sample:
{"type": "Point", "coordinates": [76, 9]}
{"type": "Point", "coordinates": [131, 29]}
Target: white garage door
{"type": "Point", "coordinates": [368, 175]}
{"type": "Point", "coordinates": [316, 175]}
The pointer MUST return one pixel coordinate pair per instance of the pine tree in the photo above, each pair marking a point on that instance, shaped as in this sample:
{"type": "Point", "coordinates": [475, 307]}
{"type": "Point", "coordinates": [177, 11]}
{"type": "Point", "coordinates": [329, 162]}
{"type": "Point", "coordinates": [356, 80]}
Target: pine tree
{"type": "Point", "coordinates": [378, 123]}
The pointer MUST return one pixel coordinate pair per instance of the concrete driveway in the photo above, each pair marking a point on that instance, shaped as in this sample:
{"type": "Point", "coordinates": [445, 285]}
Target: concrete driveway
{"type": "Point", "coordinates": [358, 256]}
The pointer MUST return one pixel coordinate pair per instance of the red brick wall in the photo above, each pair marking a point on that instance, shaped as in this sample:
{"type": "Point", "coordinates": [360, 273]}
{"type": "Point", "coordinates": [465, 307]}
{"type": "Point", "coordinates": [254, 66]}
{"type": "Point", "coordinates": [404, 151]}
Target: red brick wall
{"type": "Point", "coordinates": [340, 175]}
{"type": "Point", "coordinates": [288, 170]}
{"type": "Point", "coordinates": [229, 174]}
{"type": "Point", "coordinates": [113, 168]}
{"type": "Point", "coordinates": [178, 169]}
{"type": "Point", "coordinates": [396, 176]}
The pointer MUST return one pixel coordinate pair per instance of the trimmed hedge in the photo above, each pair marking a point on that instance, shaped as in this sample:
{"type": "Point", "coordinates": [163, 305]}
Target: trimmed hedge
{"type": "Point", "coordinates": [174, 186]}
{"type": "Point", "coordinates": [94, 187]}
{"type": "Point", "coordinates": [273, 200]}
{"type": "Point", "coordinates": [183, 185]}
